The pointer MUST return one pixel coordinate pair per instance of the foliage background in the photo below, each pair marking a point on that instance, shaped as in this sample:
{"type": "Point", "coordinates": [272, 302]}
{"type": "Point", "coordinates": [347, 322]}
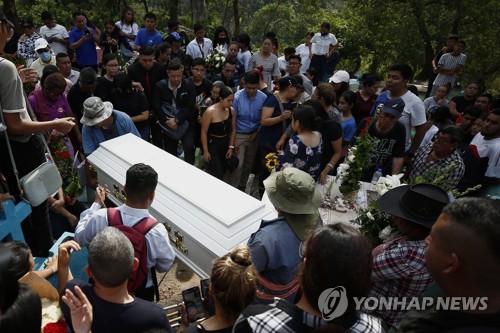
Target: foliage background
{"type": "Point", "coordinates": [374, 34]}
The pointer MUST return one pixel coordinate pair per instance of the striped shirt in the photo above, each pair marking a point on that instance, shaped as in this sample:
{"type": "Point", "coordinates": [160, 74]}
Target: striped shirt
{"type": "Point", "coordinates": [448, 61]}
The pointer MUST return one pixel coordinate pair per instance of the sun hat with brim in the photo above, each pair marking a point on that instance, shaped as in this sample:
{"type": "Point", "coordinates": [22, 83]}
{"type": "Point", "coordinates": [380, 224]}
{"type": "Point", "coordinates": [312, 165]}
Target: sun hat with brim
{"type": "Point", "coordinates": [420, 203]}
{"type": "Point", "coordinates": [293, 191]}
{"type": "Point", "coordinates": [95, 111]}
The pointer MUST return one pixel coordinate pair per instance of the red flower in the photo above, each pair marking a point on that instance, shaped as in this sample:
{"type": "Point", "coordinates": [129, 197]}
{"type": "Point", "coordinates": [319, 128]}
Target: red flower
{"type": "Point", "coordinates": [67, 198]}
{"type": "Point", "coordinates": [364, 131]}
{"type": "Point", "coordinates": [53, 138]}
{"type": "Point", "coordinates": [65, 154]}
{"type": "Point", "coordinates": [57, 327]}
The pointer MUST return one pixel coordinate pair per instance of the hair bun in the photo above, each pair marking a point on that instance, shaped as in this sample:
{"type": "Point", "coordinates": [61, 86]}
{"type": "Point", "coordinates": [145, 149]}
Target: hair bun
{"type": "Point", "coordinates": [241, 256]}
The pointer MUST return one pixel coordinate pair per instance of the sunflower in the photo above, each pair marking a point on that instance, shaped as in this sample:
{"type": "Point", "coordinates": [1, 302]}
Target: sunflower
{"type": "Point", "coordinates": [271, 156]}
{"type": "Point", "coordinates": [271, 163]}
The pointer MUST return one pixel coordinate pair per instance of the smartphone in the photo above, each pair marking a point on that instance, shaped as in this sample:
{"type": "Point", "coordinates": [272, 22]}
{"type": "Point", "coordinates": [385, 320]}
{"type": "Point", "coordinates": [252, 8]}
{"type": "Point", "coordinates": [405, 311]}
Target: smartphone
{"type": "Point", "coordinates": [208, 302]}
{"type": "Point", "coordinates": [193, 303]}
{"type": "Point", "coordinates": [293, 106]}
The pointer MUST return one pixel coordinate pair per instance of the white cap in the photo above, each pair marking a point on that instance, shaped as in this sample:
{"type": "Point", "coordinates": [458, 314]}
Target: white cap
{"type": "Point", "coordinates": [340, 76]}
{"type": "Point", "coordinates": [40, 43]}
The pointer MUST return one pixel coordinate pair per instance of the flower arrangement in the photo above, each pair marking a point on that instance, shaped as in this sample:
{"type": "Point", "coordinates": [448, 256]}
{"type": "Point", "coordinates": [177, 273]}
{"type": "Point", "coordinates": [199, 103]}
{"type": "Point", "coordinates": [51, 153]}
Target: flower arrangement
{"type": "Point", "coordinates": [355, 164]}
{"type": "Point", "coordinates": [215, 60]}
{"type": "Point", "coordinates": [375, 224]}
{"type": "Point", "coordinates": [64, 161]}
{"type": "Point", "coordinates": [271, 161]}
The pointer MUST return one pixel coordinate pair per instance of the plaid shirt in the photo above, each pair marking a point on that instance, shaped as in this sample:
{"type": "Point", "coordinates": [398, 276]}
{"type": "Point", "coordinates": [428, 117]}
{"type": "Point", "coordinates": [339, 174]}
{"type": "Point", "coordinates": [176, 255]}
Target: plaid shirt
{"type": "Point", "coordinates": [283, 316]}
{"type": "Point", "coordinates": [434, 169]}
{"type": "Point", "coordinates": [399, 270]}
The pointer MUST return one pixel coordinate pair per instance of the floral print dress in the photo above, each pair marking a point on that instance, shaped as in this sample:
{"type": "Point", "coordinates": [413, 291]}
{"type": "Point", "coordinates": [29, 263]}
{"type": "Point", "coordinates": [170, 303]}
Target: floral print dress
{"type": "Point", "coordinates": [300, 156]}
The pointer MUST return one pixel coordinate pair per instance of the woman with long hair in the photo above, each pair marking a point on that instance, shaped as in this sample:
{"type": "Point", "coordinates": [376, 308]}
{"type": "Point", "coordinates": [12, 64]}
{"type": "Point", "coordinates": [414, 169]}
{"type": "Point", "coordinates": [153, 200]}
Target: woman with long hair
{"type": "Point", "coordinates": [305, 148]}
{"type": "Point", "coordinates": [128, 29]}
{"type": "Point", "coordinates": [217, 133]}
{"type": "Point", "coordinates": [232, 288]}
{"type": "Point", "coordinates": [331, 132]}
{"type": "Point", "coordinates": [347, 106]}
{"type": "Point", "coordinates": [221, 38]}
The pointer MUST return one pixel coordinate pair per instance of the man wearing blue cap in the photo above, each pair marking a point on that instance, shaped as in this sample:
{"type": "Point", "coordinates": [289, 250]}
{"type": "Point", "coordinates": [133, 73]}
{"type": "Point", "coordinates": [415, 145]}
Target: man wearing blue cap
{"type": "Point", "coordinates": [388, 153]}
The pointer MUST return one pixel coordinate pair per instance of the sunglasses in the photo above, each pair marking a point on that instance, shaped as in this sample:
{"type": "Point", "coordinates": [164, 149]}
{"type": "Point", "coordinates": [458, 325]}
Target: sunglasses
{"type": "Point", "coordinates": [40, 51]}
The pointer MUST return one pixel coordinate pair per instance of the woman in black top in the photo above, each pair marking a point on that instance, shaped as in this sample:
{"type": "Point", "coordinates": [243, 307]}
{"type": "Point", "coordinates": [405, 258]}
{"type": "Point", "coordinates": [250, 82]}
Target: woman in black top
{"type": "Point", "coordinates": [217, 134]}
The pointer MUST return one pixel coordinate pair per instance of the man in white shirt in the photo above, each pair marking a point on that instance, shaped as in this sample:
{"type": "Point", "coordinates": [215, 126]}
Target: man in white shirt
{"type": "Point", "coordinates": [487, 144]}
{"type": "Point", "coordinates": [322, 51]}
{"type": "Point", "coordinates": [200, 47]}
{"type": "Point", "coordinates": [414, 112]}
{"type": "Point", "coordinates": [54, 33]}
{"type": "Point", "coordinates": [140, 185]}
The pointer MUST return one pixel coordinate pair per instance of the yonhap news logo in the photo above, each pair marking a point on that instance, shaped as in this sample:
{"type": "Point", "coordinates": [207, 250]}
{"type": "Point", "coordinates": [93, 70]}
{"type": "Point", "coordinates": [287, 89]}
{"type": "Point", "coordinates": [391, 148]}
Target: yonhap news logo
{"type": "Point", "coordinates": [333, 303]}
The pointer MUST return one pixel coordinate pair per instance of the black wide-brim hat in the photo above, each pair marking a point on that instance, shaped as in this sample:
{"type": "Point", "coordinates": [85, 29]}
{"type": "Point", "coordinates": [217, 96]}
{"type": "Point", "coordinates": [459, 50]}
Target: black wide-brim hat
{"type": "Point", "coordinates": [420, 203]}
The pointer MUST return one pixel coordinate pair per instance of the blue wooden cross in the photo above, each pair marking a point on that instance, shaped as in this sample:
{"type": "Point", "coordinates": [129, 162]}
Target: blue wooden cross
{"type": "Point", "coordinates": [11, 218]}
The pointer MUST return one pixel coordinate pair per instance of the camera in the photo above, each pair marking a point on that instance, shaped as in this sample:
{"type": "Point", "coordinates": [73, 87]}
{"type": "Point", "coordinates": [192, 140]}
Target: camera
{"type": "Point", "coordinates": [86, 31]}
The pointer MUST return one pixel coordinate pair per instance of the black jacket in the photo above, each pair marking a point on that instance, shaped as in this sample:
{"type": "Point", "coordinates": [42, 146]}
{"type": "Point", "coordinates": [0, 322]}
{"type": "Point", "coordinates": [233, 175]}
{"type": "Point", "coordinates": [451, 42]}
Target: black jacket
{"type": "Point", "coordinates": [185, 99]}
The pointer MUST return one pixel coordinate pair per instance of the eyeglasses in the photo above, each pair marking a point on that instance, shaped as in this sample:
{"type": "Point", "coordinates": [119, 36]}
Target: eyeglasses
{"type": "Point", "coordinates": [293, 64]}
{"type": "Point", "coordinates": [40, 51]}
{"type": "Point", "coordinates": [229, 70]}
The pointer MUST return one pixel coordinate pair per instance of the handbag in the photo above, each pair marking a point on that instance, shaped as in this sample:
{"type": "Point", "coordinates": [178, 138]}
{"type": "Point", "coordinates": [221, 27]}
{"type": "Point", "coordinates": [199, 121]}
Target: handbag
{"type": "Point", "coordinates": [168, 111]}
{"type": "Point", "coordinates": [232, 163]}
{"type": "Point", "coordinates": [41, 183]}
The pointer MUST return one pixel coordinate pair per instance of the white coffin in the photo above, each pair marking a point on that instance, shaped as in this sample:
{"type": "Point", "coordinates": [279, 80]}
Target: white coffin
{"type": "Point", "coordinates": [204, 216]}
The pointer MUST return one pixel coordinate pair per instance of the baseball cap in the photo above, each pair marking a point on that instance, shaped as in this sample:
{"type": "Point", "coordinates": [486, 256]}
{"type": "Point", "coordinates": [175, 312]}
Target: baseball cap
{"type": "Point", "coordinates": [340, 76]}
{"type": "Point", "coordinates": [40, 43]}
{"type": "Point", "coordinates": [394, 106]}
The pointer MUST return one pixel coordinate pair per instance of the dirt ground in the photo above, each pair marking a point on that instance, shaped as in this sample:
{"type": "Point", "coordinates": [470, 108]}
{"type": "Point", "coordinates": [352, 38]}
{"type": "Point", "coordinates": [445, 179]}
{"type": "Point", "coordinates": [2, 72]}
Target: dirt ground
{"type": "Point", "coordinates": [171, 284]}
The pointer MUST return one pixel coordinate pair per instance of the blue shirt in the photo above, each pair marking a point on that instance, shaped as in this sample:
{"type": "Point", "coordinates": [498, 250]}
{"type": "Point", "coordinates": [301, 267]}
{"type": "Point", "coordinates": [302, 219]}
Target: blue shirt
{"type": "Point", "coordinates": [349, 128]}
{"type": "Point", "coordinates": [86, 53]}
{"type": "Point", "coordinates": [144, 38]}
{"type": "Point", "coordinates": [248, 111]}
{"type": "Point", "coordinates": [380, 101]}
{"type": "Point", "coordinates": [92, 137]}
{"type": "Point", "coordinates": [275, 252]}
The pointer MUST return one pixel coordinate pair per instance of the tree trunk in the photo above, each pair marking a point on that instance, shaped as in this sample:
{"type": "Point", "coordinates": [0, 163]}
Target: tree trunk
{"type": "Point", "coordinates": [417, 8]}
{"type": "Point", "coordinates": [236, 14]}
{"type": "Point", "coordinates": [199, 10]}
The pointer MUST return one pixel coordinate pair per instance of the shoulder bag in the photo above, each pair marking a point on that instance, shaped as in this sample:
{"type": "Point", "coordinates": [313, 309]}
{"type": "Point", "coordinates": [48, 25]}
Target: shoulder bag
{"type": "Point", "coordinates": [41, 183]}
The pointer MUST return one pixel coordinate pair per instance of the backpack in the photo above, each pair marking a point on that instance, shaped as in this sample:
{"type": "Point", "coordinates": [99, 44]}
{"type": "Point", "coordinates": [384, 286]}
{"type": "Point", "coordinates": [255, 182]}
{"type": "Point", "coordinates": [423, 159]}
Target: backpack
{"type": "Point", "coordinates": [137, 236]}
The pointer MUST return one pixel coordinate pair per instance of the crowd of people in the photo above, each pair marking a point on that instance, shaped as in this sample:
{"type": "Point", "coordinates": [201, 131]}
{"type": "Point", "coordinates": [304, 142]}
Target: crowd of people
{"type": "Point", "coordinates": [297, 107]}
